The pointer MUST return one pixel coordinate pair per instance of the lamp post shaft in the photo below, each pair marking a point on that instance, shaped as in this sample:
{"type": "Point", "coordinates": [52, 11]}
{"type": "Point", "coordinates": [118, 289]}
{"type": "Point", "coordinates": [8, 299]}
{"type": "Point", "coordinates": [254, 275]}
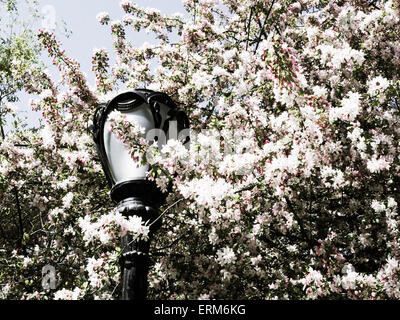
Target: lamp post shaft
{"type": "Point", "coordinates": [134, 268]}
{"type": "Point", "coordinates": [135, 260]}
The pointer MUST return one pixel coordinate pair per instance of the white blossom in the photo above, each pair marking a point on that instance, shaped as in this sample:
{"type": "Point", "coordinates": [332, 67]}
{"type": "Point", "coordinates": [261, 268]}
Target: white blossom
{"type": "Point", "coordinates": [103, 17]}
{"type": "Point", "coordinates": [226, 256]}
{"type": "Point", "coordinates": [65, 294]}
{"type": "Point", "coordinates": [377, 85]}
{"type": "Point", "coordinates": [376, 165]}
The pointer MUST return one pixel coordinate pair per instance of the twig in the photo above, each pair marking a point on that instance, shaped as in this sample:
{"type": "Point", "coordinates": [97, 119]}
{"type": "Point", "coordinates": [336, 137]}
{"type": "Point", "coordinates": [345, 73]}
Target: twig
{"type": "Point", "coordinates": [248, 28]}
{"type": "Point", "coordinates": [165, 211]}
{"type": "Point", "coordinates": [303, 231]}
{"type": "Point", "coordinates": [115, 288]}
{"type": "Point", "coordinates": [159, 217]}
{"type": "Point", "coordinates": [1, 124]}
{"type": "Point", "coordinates": [169, 245]}
{"type": "Point", "coordinates": [262, 27]}
{"type": "Point", "coordinates": [249, 187]}
{"type": "Point", "coordinates": [21, 228]}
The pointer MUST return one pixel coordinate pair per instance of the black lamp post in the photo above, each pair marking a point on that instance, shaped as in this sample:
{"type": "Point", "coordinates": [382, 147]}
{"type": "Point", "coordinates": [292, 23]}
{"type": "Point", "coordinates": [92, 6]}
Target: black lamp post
{"type": "Point", "coordinates": [134, 194]}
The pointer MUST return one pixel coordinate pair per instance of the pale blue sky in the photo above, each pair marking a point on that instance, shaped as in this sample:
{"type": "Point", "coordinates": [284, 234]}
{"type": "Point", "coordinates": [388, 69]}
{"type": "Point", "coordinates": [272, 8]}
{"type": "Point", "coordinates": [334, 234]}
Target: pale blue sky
{"type": "Point", "coordinates": [87, 33]}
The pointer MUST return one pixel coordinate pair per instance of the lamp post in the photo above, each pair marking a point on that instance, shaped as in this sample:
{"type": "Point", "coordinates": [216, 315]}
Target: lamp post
{"type": "Point", "coordinates": [130, 189]}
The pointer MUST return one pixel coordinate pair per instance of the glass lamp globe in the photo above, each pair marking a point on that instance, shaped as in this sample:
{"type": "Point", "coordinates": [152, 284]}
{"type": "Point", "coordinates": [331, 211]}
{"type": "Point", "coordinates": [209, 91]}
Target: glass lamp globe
{"type": "Point", "coordinates": [161, 120]}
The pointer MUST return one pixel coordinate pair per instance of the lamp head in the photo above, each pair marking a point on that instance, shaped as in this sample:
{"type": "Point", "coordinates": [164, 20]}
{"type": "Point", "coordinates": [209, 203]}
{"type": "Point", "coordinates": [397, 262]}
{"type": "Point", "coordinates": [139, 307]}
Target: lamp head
{"type": "Point", "coordinates": [157, 114]}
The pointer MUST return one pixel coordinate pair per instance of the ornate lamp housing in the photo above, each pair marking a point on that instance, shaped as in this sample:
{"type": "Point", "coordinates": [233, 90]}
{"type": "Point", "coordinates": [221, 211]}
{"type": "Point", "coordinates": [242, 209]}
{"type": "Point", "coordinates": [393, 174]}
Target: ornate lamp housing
{"type": "Point", "coordinates": [151, 110]}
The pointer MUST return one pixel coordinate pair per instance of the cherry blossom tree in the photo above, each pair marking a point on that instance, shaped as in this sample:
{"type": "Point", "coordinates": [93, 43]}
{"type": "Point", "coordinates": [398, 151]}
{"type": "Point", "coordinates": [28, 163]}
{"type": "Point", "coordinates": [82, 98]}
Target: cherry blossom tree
{"type": "Point", "coordinates": [289, 189]}
{"type": "Point", "coordinates": [18, 54]}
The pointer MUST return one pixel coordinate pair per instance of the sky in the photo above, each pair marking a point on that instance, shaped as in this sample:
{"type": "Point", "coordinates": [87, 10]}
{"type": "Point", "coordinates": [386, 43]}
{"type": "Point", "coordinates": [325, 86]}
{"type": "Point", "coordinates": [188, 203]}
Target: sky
{"type": "Point", "coordinates": [87, 33]}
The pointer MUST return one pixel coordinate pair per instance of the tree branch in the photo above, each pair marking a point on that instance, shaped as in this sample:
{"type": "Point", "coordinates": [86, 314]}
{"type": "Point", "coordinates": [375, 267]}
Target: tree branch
{"type": "Point", "coordinates": [263, 25]}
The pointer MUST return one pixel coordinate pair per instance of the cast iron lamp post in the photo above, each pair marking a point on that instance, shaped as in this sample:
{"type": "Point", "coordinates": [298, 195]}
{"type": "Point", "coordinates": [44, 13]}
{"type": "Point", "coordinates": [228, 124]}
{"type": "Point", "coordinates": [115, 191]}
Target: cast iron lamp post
{"type": "Point", "coordinates": [134, 194]}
